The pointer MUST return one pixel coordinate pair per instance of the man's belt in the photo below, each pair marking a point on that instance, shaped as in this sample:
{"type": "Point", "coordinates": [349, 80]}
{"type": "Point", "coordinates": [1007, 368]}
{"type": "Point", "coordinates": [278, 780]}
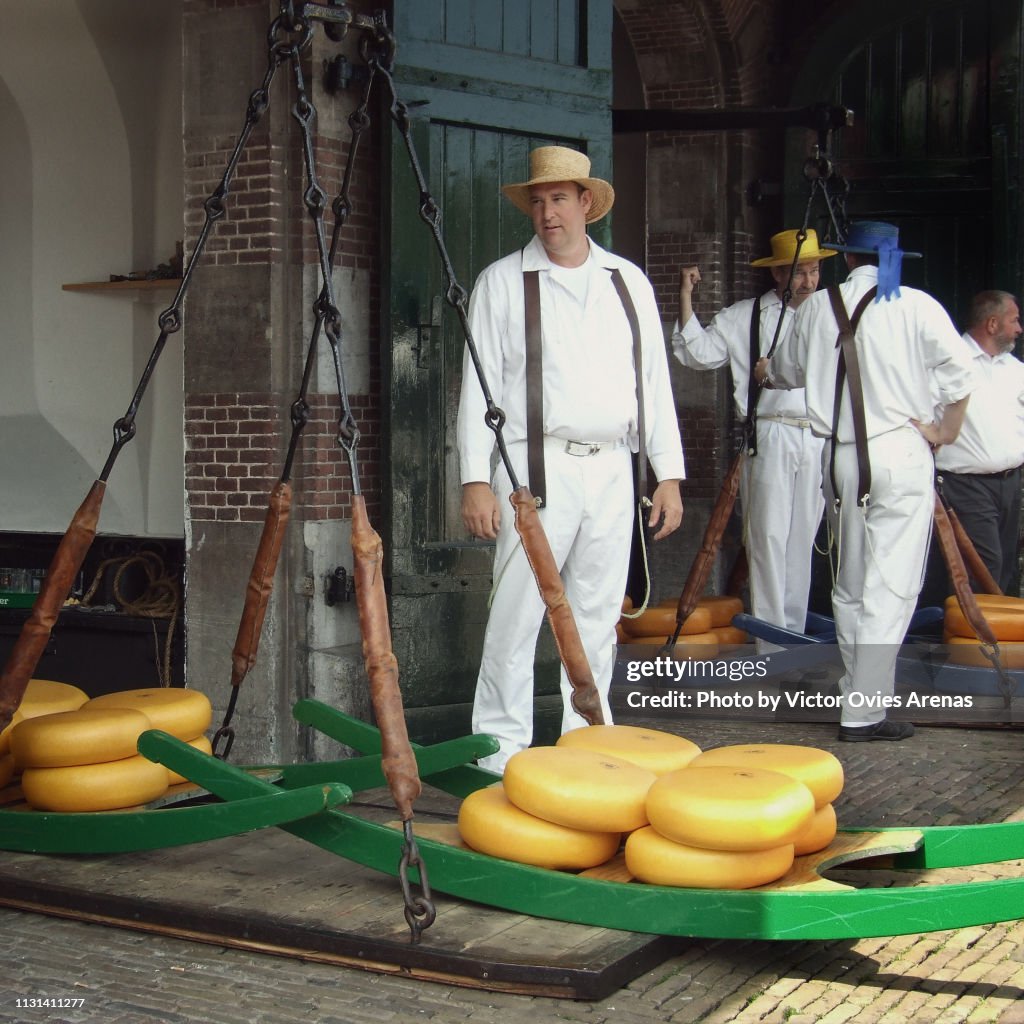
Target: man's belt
{"type": "Point", "coordinates": [582, 449]}
{"type": "Point", "coordinates": [790, 421]}
{"type": "Point", "coordinates": [1003, 474]}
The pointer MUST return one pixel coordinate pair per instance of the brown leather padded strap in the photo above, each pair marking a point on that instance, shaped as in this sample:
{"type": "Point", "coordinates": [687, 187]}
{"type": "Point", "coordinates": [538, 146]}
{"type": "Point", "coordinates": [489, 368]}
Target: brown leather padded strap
{"type": "Point", "coordinates": [534, 389]}
{"type": "Point", "coordinates": [261, 582]}
{"type": "Point", "coordinates": [585, 699]}
{"type": "Point", "coordinates": [397, 760]}
{"type": "Point", "coordinates": [848, 368]}
{"type": "Point", "coordinates": [64, 567]}
{"type": "Point", "coordinates": [972, 560]}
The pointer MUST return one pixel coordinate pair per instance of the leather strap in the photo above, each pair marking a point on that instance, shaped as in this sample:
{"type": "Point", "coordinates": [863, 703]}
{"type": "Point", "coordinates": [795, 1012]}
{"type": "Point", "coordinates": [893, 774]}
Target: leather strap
{"type": "Point", "coordinates": [634, 326]}
{"type": "Point", "coordinates": [848, 371]}
{"type": "Point", "coordinates": [534, 390]}
{"type": "Point", "coordinates": [753, 388]}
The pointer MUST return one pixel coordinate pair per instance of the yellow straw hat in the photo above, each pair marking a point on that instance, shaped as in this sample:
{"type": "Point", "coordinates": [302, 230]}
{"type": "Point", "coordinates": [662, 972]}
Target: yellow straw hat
{"type": "Point", "coordinates": [784, 249]}
{"type": "Point", "coordinates": [558, 163]}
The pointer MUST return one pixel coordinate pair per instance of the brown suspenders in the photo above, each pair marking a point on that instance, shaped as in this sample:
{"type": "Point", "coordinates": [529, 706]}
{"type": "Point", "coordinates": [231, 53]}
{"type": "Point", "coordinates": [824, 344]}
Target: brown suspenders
{"type": "Point", "coordinates": [753, 388]}
{"type": "Point", "coordinates": [535, 388]}
{"type": "Point", "coordinates": [848, 369]}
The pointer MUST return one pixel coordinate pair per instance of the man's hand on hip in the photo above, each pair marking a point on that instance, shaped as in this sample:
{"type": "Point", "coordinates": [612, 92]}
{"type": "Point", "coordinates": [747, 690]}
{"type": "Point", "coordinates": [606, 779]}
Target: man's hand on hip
{"type": "Point", "coordinates": [480, 511]}
{"type": "Point", "coordinates": [666, 508]}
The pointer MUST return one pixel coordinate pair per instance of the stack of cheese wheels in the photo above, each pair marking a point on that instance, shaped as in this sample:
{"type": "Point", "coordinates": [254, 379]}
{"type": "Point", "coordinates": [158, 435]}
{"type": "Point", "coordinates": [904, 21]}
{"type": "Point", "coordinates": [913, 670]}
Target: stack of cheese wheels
{"type": "Point", "coordinates": [1005, 617]}
{"type": "Point", "coordinates": [820, 771]}
{"type": "Point", "coordinates": [184, 713]}
{"type": "Point", "coordinates": [655, 625]}
{"type": "Point", "coordinates": [557, 807]}
{"type": "Point", "coordinates": [719, 827]}
{"type": "Point", "coordinates": [722, 608]}
{"type": "Point", "coordinates": [85, 760]}
{"type": "Point", "coordinates": [659, 752]}
{"type": "Point", "coordinates": [41, 697]}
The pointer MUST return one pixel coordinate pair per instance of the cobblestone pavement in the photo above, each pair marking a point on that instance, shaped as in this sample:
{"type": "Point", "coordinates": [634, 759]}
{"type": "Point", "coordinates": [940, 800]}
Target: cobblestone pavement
{"type": "Point", "coordinates": [975, 975]}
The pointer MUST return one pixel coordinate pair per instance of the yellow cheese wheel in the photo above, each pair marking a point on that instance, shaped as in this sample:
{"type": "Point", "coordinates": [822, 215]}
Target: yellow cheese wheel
{"type": "Point", "coordinates": [727, 808]}
{"type": "Point", "coordinates": [730, 635]}
{"type": "Point", "coordinates": [182, 713]}
{"type": "Point", "coordinates": [821, 831]}
{"type": "Point", "coordinates": [1006, 623]}
{"type": "Point", "coordinates": [6, 769]}
{"type": "Point", "coordinates": [579, 789]}
{"type": "Point", "coordinates": [47, 697]}
{"type": "Point", "coordinates": [490, 823]}
{"type": "Point", "coordinates": [820, 771]}
{"type": "Point", "coordinates": [652, 858]}
{"type": "Point", "coordinates": [722, 609]}
{"type": "Point", "coordinates": [94, 787]}
{"type": "Point", "coordinates": [85, 736]}
{"type": "Point", "coordinates": [5, 733]}
{"type": "Point", "coordinates": [657, 751]}
{"type": "Point", "coordinates": [965, 650]}
{"type": "Point", "coordinates": [989, 601]}
{"type": "Point", "coordinates": [663, 621]}
{"type": "Point", "coordinates": [200, 743]}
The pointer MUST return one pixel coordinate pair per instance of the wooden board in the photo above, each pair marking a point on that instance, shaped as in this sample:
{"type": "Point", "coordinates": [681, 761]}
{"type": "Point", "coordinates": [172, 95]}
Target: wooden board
{"type": "Point", "coordinates": [270, 892]}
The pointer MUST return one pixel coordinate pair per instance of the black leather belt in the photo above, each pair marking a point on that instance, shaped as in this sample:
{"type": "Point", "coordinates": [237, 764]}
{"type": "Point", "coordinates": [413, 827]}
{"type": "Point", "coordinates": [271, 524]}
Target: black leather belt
{"type": "Point", "coordinates": [1003, 474]}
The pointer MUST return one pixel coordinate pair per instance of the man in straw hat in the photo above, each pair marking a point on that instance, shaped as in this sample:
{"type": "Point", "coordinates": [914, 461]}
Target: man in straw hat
{"type": "Point", "coordinates": [590, 424]}
{"type": "Point", "coordinates": [780, 481]}
{"type": "Point", "coordinates": [879, 488]}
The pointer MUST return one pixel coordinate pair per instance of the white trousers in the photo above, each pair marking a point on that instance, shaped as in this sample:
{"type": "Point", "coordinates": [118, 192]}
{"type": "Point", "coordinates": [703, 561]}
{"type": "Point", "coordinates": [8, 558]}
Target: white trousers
{"type": "Point", "coordinates": [881, 563]}
{"type": "Point", "coordinates": [781, 498]}
{"type": "Point", "coordinates": [588, 519]}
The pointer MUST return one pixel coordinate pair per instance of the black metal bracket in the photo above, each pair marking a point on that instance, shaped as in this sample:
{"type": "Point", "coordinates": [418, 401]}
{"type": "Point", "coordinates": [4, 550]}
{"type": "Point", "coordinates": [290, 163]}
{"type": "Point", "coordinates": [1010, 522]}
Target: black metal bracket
{"type": "Point", "coordinates": [340, 588]}
{"type": "Point", "coordinates": [340, 73]}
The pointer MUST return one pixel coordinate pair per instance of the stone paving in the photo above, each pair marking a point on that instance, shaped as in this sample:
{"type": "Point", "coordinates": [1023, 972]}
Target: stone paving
{"type": "Point", "coordinates": [974, 975]}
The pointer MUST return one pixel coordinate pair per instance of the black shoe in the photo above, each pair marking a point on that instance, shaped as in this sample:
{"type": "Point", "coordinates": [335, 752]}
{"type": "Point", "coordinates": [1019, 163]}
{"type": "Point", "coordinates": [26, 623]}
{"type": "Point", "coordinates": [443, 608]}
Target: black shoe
{"type": "Point", "coordinates": [884, 730]}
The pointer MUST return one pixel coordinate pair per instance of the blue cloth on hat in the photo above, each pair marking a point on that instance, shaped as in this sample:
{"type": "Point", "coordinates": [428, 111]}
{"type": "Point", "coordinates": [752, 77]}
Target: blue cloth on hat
{"type": "Point", "coordinates": [890, 264]}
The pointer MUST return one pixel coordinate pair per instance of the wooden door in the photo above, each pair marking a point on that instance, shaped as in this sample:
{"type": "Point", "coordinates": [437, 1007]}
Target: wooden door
{"type": "Point", "coordinates": [485, 82]}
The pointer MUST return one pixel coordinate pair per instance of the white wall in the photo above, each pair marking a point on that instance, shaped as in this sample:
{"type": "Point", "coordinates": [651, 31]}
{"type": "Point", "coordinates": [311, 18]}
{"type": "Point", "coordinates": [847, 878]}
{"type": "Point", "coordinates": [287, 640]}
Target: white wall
{"type": "Point", "coordinates": [90, 115]}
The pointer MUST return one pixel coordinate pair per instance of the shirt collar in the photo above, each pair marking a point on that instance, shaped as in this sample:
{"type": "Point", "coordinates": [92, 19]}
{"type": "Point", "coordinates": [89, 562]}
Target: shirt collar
{"type": "Point", "coordinates": [536, 258]}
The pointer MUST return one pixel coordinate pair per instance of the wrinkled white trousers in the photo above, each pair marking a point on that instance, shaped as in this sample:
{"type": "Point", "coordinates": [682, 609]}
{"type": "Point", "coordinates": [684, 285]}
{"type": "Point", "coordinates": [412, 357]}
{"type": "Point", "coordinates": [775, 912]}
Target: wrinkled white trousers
{"type": "Point", "coordinates": [588, 520]}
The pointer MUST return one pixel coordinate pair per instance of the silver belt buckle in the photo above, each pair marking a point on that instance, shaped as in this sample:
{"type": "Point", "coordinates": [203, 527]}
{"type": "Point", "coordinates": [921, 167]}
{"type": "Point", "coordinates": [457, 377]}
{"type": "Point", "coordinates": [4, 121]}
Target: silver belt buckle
{"type": "Point", "coordinates": [582, 449]}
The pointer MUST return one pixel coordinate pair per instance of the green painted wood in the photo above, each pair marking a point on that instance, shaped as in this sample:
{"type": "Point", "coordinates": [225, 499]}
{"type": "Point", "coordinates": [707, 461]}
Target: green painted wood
{"type": "Point", "coordinates": [119, 832]}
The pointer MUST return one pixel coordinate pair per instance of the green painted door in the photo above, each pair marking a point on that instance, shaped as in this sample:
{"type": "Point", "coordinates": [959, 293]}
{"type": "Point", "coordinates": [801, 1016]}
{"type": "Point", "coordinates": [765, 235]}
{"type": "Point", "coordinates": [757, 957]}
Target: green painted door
{"type": "Point", "coordinates": [485, 81]}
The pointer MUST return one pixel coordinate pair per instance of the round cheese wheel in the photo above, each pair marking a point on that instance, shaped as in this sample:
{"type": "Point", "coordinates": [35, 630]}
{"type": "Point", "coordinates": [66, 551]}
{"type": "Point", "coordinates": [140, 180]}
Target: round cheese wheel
{"type": "Point", "coordinates": [1006, 623]}
{"type": "Point", "coordinates": [722, 608]}
{"type": "Point", "coordinates": [727, 808]}
{"type": "Point", "coordinates": [657, 751]}
{"type": "Point", "coordinates": [577, 788]}
{"type": "Point", "coordinates": [6, 769]}
{"type": "Point", "coordinates": [85, 736]}
{"type": "Point", "coordinates": [5, 733]}
{"type": "Point", "coordinates": [820, 771]}
{"type": "Point", "coordinates": [966, 650]}
{"type": "Point", "coordinates": [663, 620]}
{"type": "Point", "coordinates": [200, 743]}
{"type": "Point", "coordinates": [181, 712]}
{"type": "Point", "coordinates": [988, 600]}
{"type": "Point", "coordinates": [730, 635]}
{"type": "Point", "coordinates": [490, 823]}
{"type": "Point", "coordinates": [47, 697]}
{"type": "Point", "coordinates": [821, 831]}
{"type": "Point", "coordinates": [652, 858]}
{"type": "Point", "coordinates": [94, 787]}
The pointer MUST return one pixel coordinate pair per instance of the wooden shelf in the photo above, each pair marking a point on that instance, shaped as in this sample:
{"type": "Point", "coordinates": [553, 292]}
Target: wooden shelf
{"type": "Point", "coordinates": [117, 286]}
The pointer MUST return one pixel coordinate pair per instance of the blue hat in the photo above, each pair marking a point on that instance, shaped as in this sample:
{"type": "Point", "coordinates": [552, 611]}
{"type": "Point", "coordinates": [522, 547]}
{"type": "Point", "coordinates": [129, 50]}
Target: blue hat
{"type": "Point", "coordinates": [875, 236]}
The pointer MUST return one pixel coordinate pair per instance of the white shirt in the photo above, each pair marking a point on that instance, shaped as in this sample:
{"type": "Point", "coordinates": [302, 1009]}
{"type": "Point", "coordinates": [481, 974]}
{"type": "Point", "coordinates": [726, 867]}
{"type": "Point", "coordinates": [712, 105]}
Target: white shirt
{"type": "Point", "coordinates": [992, 437]}
{"type": "Point", "coordinates": [907, 347]}
{"type": "Point", "coordinates": [589, 380]}
{"type": "Point", "coordinates": [727, 340]}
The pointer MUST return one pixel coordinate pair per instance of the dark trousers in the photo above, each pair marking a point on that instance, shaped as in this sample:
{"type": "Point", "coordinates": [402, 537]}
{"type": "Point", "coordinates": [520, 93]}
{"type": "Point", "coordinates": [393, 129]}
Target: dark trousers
{"type": "Point", "coordinates": [988, 506]}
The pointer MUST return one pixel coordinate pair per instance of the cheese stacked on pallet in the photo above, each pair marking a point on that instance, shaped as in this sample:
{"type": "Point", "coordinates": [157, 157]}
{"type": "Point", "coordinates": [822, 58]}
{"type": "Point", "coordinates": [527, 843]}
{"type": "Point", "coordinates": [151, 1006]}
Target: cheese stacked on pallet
{"type": "Point", "coordinates": [41, 697]}
{"type": "Point", "coordinates": [722, 609]}
{"type": "Point", "coordinates": [86, 760]}
{"type": "Point", "coordinates": [185, 714]}
{"type": "Point", "coordinates": [557, 807]}
{"type": "Point", "coordinates": [820, 771]}
{"type": "Point", "coordinates": [657, 751]}
{"type": "Point", "coordinates": [656, 625]}
{"type": "Point", "coordinates": [720, 827]}
{"type": "Point", "coordinates": [1005, 617]}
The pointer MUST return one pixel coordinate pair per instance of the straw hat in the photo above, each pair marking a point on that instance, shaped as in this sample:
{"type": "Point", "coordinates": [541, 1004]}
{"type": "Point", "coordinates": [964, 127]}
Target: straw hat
{"type": "Point", "coordinates": [784, 249]}
{"type": "Point", "coordinates": [558, 163]}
